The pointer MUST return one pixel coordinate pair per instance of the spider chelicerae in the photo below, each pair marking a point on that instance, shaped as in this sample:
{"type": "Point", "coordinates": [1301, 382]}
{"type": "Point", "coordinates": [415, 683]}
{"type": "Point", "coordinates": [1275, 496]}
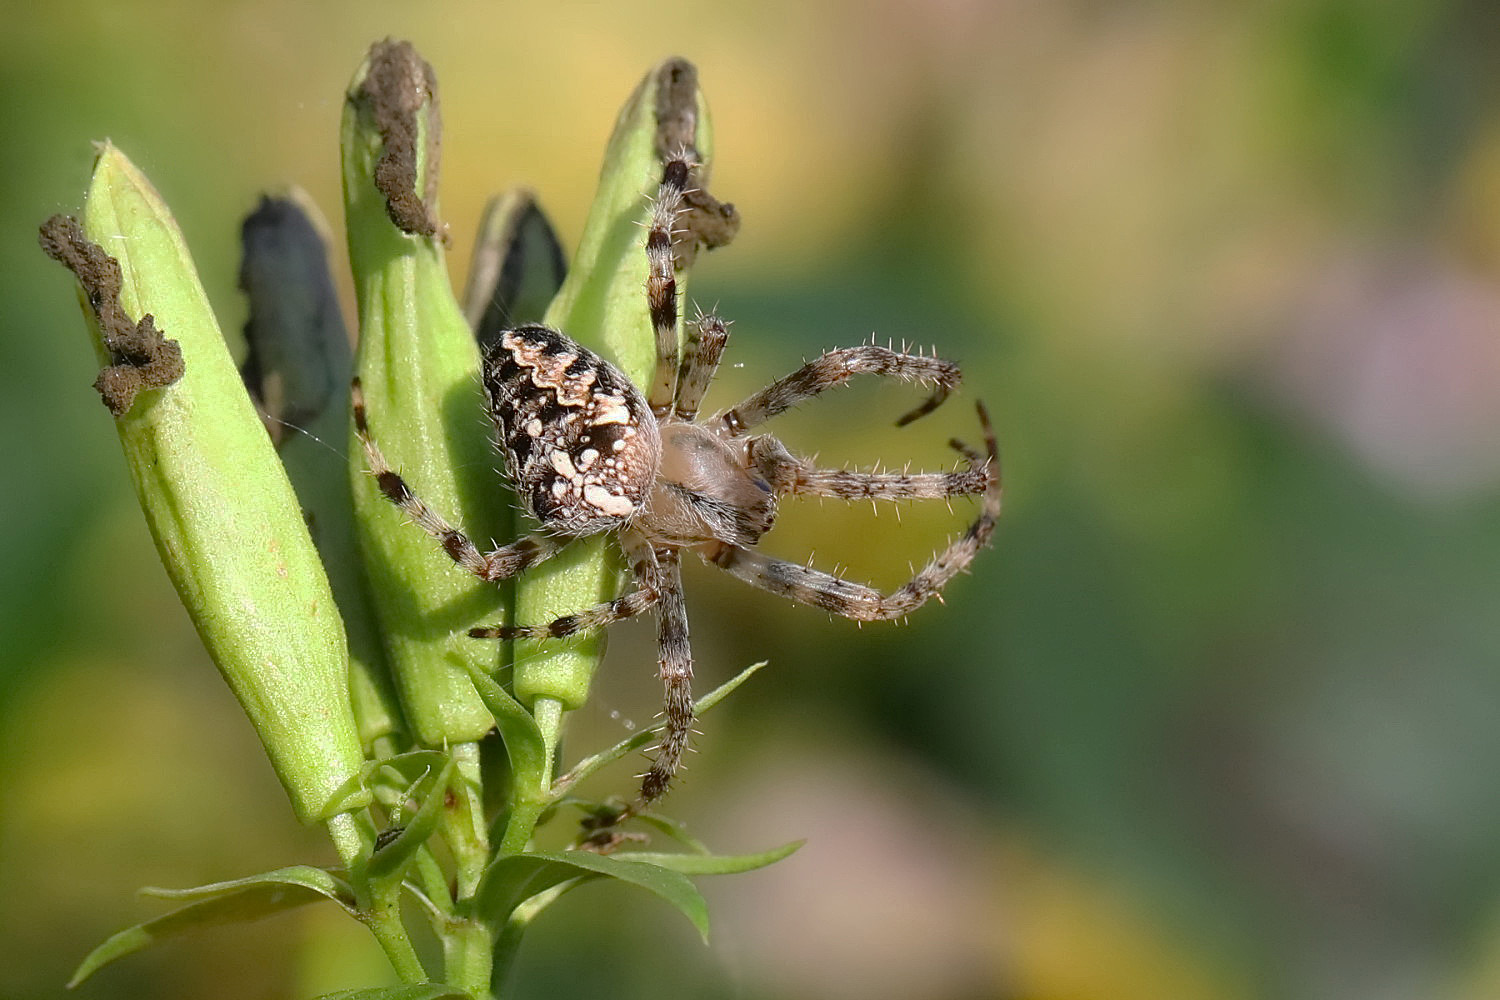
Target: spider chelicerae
{"type": "Point", "coordinates": [589, 453]}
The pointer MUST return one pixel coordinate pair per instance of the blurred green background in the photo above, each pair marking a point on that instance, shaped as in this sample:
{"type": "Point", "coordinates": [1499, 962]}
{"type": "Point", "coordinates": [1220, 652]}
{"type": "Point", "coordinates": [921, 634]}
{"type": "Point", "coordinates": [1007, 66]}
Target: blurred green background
{"type": "Point", "coordinates": [1216, 718]}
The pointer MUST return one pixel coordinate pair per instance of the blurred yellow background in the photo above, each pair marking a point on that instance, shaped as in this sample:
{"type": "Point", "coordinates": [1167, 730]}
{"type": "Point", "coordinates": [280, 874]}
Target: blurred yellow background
{"type": "Point", "coordinates": [1216, 718]}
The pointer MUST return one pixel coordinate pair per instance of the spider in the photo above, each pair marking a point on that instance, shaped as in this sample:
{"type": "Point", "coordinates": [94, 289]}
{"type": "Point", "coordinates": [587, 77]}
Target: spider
{"type": "Point", "coordinates": [589, 453]}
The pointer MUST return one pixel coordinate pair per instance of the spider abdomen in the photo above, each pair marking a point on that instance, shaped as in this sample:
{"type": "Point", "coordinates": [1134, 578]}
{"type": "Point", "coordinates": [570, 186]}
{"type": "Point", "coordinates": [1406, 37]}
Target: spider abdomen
{"type": "Point", "coordinates": [581, 443]}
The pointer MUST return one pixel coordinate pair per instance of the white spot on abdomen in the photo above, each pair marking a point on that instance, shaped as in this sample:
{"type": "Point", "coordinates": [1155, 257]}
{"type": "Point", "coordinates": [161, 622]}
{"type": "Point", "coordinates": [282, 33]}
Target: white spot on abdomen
{"type": "Point", "coordinates": [610, 503]}
{"type": "Point", "coordinates": [610, 410]}
{"type": "Point", "coordinates": [564, 465]}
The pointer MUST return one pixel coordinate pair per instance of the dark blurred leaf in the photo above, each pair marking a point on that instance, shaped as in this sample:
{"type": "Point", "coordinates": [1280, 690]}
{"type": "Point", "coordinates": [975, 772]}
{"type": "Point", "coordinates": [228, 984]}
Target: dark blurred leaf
{"type": "Point", "coordinates": [516, 268]}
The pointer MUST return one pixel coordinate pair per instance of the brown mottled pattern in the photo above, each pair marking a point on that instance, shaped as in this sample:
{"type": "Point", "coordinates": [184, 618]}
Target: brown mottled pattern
{"type": "Point", "coordinates": [581, 443]}
{"type": "Point", "coordinates": [545, 357]}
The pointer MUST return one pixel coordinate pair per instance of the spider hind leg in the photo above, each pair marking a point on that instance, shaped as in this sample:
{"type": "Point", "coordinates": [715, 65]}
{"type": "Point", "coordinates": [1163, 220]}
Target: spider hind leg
{"type": "Point", "coordinates": [858, 601]}
{"type": "Point", "coordinates": [676, 659]}
{"type": "Point", "coordinates": [790, 475]}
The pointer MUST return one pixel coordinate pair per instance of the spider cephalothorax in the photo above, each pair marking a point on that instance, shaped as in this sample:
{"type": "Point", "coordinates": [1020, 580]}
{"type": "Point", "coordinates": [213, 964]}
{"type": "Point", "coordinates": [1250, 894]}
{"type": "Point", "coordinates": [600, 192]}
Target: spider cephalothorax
{"type": "Point", "coordinates": [590, 454]}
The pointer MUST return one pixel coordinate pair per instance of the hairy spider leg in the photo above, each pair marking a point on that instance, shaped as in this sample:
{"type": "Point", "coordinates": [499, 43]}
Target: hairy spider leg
{"type": "Point", "coordinates": [835, 368]}
{"type": "Point", "coordinates": [857, 601]}
{"type": "Point", "coordinates": [497, 564]}
{"type": "Point", "coordinates": [676, 661]}
{"type": "Point", "coordinates": [790, 475]}
{"type": "Point", "coordinates": [644, 570]}
{"type": "Point", "coordinates": [706, 341]}
{"type": "Point", "coordinates": [661, 281]}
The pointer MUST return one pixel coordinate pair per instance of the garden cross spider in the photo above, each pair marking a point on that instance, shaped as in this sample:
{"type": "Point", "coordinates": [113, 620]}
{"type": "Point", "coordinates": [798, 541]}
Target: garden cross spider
{"type": "Point", "coordinates": [589, 454]}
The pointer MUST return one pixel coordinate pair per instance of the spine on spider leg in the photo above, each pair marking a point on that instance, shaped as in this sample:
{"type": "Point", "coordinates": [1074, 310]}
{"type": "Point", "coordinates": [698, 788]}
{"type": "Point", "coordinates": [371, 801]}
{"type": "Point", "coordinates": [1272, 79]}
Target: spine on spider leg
{"type": "Point", "coordinates": [417, 361]}
{"type": "Point", "coordinates": [604, 306]}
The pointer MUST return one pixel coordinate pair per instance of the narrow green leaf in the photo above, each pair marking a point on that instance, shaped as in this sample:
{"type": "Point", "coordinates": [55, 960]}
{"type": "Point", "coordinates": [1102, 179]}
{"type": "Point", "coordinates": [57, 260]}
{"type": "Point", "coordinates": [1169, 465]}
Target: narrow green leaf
{"type": "Point", "coordinates": [523, 741]}
{"type": "Point", "coordinates": [726, 689]}
{"type": "Point", "coordinates": [237, 901]}
{"type": "Point", "coordinates": [712, 864]}
{"type": "Point", "coordinates": [409, 764]}
{"type": "Point", "coordinates": [319, 880]}
{"type": "Point", "coordinates": [512, 880]}
{"type": "Point", "coordinates": [675, 830]}
{"type": "Point", "coordinates": [589, 765]}
{"type": "Point", "coordinates": [417, 991]}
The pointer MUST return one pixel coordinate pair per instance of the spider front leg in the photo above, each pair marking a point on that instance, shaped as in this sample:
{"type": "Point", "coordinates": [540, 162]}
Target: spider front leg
{"type": "Point", "coordinates": [497, 564]}
{"type": "Point", "coordinates": [705, 347]}
{"type": "Point", "coordinates": [648, 587]}
{"type": "Point", "coordinates": [860, 602]}
{"type": "Point", "coordinates": [661, 281]}
{"type": "Point", "coordinates": [834, 369]}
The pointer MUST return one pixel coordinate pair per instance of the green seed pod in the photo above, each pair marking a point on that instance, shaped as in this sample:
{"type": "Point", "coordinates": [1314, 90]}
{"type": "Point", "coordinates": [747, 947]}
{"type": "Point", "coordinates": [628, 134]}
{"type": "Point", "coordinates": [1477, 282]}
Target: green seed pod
{"type": "Point", "coordinates": [602, 305]}
{"type": "Point", "coordinates": [218, 503]}
{"type": "Point", "coordinates": [299, 367]}
{"type": "Point", "coordinates": [418, 365]}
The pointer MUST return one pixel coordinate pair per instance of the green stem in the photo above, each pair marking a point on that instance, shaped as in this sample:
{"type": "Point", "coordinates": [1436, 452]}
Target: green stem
{"type": "Point", "coordinates": [434, 884]}
{"type": "Point", "coordinates": [350, 840]}
{"type": "Point", "coordinates": [527, 803]}
{"type": "Point", "coordinates": [353, 838]}
{"type": "Point", "coordinates": [467, 945]}
{"type": "Point", "coordinates": [548, 713]}
{"type": "Point", "coordinates": [467, 834]}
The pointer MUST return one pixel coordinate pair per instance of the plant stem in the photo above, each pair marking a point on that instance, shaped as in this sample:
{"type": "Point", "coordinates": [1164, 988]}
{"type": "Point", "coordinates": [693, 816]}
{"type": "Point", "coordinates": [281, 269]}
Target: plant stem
{"type": "Point", "coordinates": [349, 840]}
{"type": "Point", "coordinates": [353, 838]}
{"type": "Point", "coordinates": [467, 945]}
{"type": "Point", "coordinates": [527, 803]}
{"type": "Point", "coordinates": [466, 831]}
